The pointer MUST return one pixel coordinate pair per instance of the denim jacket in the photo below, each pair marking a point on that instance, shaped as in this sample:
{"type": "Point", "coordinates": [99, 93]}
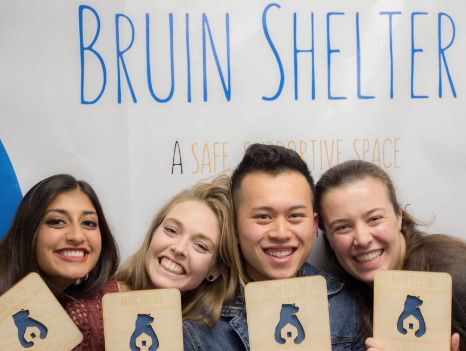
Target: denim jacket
{"type": "Point", "coordinates": [231, 332]}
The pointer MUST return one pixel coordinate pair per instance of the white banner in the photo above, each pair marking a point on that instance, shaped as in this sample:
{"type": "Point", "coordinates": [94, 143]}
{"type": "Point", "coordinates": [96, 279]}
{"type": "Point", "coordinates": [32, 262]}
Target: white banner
{"type": "Point", "coordinates": [144, 98]}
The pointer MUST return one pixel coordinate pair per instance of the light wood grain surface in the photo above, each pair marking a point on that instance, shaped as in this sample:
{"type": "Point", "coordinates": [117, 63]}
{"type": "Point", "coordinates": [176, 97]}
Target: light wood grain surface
{"type": "Point", "coordinates": [32, 296]}
{"type": "Point", "coordinates": [158, 310]}
{"type": "Point", "coordinates": [264, 303]}
{"type": "Point", "coordinates": [391, 291]}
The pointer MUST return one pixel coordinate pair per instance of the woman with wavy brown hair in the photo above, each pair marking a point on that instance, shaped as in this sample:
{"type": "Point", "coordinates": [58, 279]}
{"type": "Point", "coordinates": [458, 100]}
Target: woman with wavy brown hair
{"type": "Point", "coordinates": [366, 229]}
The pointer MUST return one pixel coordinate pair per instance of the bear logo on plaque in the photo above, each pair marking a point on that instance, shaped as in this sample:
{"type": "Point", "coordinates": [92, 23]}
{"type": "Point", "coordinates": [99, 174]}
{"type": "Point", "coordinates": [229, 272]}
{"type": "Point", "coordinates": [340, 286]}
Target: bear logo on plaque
{"type": "Point", "coordinates": [144, 337]}
{"type": "Point", "coordinates": [288, 316]}
{"type": "Point", "coordinates": [412, 304]}
{"type": "Point", "coordinates": [25, 325]}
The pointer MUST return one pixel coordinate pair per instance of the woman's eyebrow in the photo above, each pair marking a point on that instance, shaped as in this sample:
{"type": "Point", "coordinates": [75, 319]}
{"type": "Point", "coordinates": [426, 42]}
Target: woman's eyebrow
{"type": "Point", "coordinates": [205, 237]}
{"type": "Point", "coordinates": [177, 222]}
{"type": "Point", "coordinates": [374, 210]}
{"type": "Point", "coordinates": [65, 212]}
{"type": "Point", "coordinates": [59, 210]}
{"type": "Point", "coordinates": [340, 220]}
{"type": "Point", "coordinates": [343, 220]}
{"type": "Point", "coordinates": [89, 212]}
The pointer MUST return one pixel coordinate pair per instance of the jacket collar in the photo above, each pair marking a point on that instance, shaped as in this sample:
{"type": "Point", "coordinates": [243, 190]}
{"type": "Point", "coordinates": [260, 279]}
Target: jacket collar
{"type": "Point", "coordinates": [233, 309]}
{"type": "Point", "coordinates": [307, 270]}
{"type": "Point", "coordinates": [333, 285]}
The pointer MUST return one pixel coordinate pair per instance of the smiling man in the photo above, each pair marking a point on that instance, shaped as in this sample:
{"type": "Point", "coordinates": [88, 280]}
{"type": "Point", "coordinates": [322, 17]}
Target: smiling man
{"type": "Point", "coordinates": [272, 190]}
{"type": "Point", "coordinates": [276, 223]}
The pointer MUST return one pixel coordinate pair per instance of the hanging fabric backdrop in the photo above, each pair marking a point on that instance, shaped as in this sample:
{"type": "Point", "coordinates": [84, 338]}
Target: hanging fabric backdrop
{"type": "Point", "coordinates": [143, 98]}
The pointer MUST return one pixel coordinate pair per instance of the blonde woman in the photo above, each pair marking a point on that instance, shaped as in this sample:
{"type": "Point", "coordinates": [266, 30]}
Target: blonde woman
{"type": "Point", "coordinates": [190, 245]}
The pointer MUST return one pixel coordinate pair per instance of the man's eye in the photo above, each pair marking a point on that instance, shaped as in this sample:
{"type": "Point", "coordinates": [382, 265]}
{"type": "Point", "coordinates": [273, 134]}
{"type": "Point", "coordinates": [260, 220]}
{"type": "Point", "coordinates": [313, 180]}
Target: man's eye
{"type": "Point", "coordinates": [297, 215]}
{"type": "Point", "coordinates": [263, 216]}
{"type": "Point", "coordinates": [55, 222]}
{"type": "Point", "coordinates": [341, 228]}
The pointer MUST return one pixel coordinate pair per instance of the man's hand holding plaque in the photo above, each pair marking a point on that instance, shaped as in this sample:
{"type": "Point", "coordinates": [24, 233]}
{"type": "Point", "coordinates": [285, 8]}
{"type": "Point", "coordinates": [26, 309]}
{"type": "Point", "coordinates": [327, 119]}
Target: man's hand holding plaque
{"type": "Point", "coordinates": [288, 314]}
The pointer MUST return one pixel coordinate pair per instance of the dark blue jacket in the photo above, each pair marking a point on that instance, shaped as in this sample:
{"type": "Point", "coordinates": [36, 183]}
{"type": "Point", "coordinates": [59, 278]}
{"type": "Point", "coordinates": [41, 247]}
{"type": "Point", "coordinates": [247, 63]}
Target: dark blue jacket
{"type": "Point", "coordinates": [231, 332]}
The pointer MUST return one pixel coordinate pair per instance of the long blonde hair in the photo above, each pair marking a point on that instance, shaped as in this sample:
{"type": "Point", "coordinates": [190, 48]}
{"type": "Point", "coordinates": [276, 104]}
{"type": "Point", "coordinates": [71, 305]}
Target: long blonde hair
{"type": "Point", "coordinates": [204, 303]}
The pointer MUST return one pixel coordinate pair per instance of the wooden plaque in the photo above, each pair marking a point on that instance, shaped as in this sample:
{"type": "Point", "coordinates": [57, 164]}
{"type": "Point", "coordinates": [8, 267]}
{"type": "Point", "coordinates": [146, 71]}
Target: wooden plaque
{"type": "Point", "coordinates": [412, 310]}
{"type": "Point", "coordinates": [288, 314]}
{"type": "Point", "coordinates": [136, 320]}
{"type": "Point", "coordinates": [31, 318]}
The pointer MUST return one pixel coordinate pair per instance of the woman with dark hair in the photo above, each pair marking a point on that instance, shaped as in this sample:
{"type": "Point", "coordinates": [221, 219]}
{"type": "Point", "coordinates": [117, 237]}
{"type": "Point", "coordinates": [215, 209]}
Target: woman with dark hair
{"type": "Point", "coordinates": [366, 229]}
{"type": "Point", "coordinates": [60, 232]}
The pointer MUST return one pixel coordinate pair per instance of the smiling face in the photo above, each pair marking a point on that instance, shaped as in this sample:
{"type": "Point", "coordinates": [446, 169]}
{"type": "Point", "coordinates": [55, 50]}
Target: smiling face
{"type": "Point", "coordinates": [68, 240]}
{"type": "Point", "coordinates": [363, 228]}
{"type": "Point", "coordinates": [183, 250]}
{"type": "Point", "coordinates": [276, 224]}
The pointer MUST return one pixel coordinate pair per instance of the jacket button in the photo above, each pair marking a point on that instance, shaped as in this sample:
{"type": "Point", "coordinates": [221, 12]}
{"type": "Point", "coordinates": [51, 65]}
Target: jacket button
{"type": "Point", "coordinates": [245, 321]}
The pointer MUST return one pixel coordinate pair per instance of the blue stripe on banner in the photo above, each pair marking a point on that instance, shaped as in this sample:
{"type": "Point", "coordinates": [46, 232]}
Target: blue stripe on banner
{"type": "Point", "coordinates": [10, 192]}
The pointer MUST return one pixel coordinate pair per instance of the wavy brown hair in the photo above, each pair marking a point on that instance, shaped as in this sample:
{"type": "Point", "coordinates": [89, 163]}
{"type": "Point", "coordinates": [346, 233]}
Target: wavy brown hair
{"type": "Point", "coordinates": [429, 253]}
{"type": "Point", "coordinates": [203, 304]}
{"type": "Point", "coordinates": [18, 247]}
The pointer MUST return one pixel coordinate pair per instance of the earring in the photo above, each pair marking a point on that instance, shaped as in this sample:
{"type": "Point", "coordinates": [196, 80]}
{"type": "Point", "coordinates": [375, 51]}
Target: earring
{"type": "Point", "coordinates": [211, 278]}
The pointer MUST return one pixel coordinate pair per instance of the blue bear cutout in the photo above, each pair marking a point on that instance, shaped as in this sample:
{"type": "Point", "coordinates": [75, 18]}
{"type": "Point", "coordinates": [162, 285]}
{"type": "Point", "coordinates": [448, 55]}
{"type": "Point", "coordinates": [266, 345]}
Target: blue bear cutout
{"type": "Point", "coordinates": [22, 321]}
{"type": "Point", "coordinates": [412, 304]}
{"type": "Point", "coordinates": [143, 326]}
{"type": "Point", "coordinates": [10, 192]}
{"type": "Point", "coordinates": [288, 316]}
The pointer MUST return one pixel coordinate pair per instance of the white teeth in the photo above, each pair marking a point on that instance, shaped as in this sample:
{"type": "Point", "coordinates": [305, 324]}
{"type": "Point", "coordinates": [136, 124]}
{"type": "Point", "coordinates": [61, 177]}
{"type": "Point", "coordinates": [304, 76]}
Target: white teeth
{"type": "Point", "coordinates": [69, 253]}
{"type": "Point", "coordinates": [279, 253]}
{"type": "Point", "coordinates": [171, 266]}
{"type": "Point", "coordinates": [368, 257]}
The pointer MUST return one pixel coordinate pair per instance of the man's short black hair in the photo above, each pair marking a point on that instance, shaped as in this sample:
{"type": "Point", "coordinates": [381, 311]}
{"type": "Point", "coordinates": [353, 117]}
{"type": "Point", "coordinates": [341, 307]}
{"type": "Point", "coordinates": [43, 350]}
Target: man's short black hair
{"type": "Point", "coordinates": [269, 159]}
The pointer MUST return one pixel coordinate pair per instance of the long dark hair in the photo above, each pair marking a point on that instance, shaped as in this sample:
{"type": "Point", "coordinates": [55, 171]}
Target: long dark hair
{"type": "Point", "coordinates": [434, 253]}
{"type": "Point", "coordinates": [18, 247]}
